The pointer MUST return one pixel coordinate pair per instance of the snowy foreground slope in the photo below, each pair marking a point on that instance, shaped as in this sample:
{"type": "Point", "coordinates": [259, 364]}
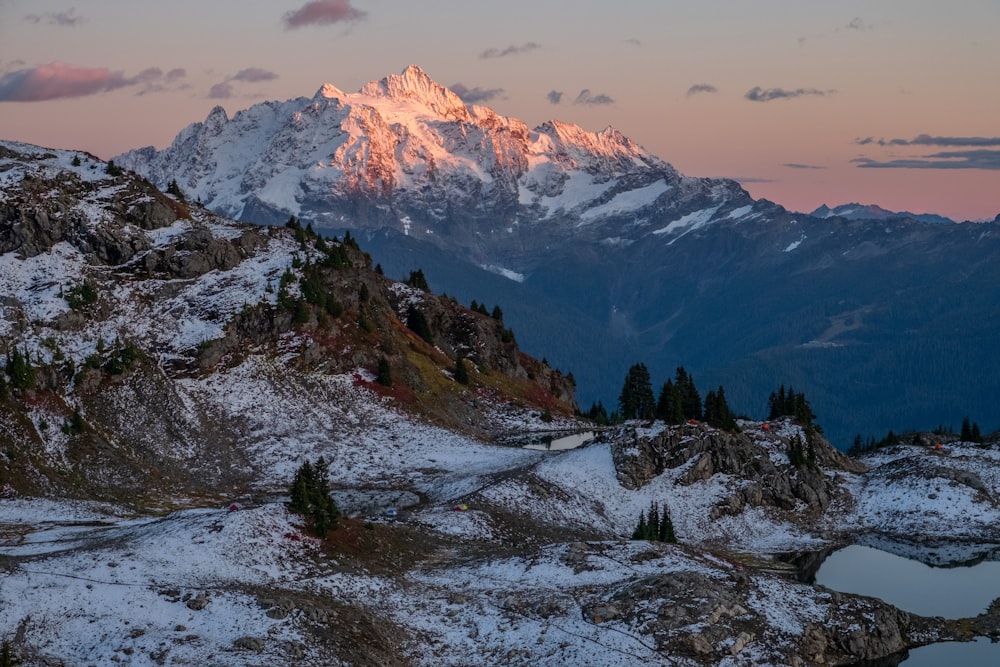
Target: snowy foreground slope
{"type": "Point", "coordinates": [196, 374]}
{"type": "Point", "coordinates": [510, 581]}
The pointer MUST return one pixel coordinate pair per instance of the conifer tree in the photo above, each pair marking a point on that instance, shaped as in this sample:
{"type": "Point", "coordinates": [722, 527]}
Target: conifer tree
{"type": "Point", "coordinates": [652, 522]}
{"type": "Point", "coordinates": [461, 372]}
{"type": "Point", "coordinates": [598, 414]}
{"type": "Point", "coordinates": [310, 496]}
{"type": "Point", "coordinates": [655, 525]}
{"type": "Point", "coordinates": [20, 370]}
{"type": "Point", "coordinates": [636, 398]}
{"type": "Point", "coordinates": [966, 435]}
{"type": "Point", "coordinates": [416, 321]}
{"type": "Point", "coordinates": [384, 375]}
{"type": "Point", "coordinates": [417, 280]}
{"type": "Point", "coordinates": [669, 406]}
{"type": "Point", "coordinates": [640, 530]}
{"type": "Point", "coordinates": [690, 398]}
{"type": "Point", "coordinates": [666, 530]}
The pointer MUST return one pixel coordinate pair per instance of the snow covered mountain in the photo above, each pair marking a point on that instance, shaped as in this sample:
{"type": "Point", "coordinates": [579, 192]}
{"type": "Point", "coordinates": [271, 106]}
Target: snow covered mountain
{"type": "Point", "coordinates": [405, 153]}
{"type": "Point", "coordinates": [603, 254]}
{"type": "Point", "coordinates": [874, 212]}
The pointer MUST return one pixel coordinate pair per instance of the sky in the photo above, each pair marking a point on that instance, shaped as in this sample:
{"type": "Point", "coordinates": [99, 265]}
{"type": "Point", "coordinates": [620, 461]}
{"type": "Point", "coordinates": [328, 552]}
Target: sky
{"type": "Point", "coordinates": [805, 102]}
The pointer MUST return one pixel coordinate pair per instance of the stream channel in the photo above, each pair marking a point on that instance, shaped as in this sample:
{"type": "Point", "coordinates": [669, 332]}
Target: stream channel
{"type": "Point", "coordinates": [961, 588]}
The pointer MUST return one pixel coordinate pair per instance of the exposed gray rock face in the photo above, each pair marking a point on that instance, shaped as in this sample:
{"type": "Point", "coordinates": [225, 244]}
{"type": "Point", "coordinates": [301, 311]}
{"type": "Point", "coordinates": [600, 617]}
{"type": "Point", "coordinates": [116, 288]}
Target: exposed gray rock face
{"type": "Point", "coordinates": [45, 211]}
{"type": "Point", "coordinates": [709, 451]}
{"type": "Point", "coordinates": [712, 615]}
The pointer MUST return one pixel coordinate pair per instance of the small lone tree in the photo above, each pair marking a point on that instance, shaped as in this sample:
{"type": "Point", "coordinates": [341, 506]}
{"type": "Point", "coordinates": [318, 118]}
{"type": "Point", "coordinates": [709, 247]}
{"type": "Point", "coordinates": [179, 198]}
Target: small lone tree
{"type": "Point", "coordinates": [416, 321]}
{"type": "Point", "coordinates": [461, 372]}
{"type": "Point", "coordinates": [310, 496]}
{"type": "Point", "coordinates": [384, 375]}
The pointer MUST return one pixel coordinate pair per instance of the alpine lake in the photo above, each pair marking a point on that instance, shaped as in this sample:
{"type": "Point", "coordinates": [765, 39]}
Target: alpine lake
{"type": "Point", "coordinates": [961, 583]}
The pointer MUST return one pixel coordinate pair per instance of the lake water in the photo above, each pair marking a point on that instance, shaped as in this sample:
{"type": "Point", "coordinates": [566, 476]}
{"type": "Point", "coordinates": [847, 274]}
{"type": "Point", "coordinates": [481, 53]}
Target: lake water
{"type": "Point", "coordinates": [950, 592]}
{"type": "Point", "coordinates": [560, 442]}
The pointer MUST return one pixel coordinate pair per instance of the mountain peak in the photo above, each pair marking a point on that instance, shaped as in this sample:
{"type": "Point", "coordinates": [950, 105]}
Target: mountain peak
{"type": "Point", "coordinates": [413, 84]}
{"type": "Point", "coordinates": [856, 211]}
{"type": "Point", "coordinates": [328, 91]}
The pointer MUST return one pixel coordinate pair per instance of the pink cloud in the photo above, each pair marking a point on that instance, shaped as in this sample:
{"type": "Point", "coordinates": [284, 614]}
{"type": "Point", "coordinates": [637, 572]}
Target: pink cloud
{"type": "Point", "coordinates": [323, 12]}
{"type": "Point", "coordinates": [58, 80]}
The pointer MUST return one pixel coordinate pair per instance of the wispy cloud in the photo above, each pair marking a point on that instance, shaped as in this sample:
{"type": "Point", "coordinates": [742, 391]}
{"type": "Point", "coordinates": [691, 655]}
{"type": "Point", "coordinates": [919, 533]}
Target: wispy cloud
{"type": "Point", "coordinates": [477, 94]}
{"type": "Point", "coordinates": [253, 74]}
{"type": "Point", "coordinates": [221, 91]}
{"type": "Point", "coordinates": [758, 94]}
{"type": "Point", "coordinates": [928, 140]}
{"type": "Point", "coordinates": [555, 96]}
{"type": "Point", "coordinates": [701, 88]}
{"type": "Point", "coordinates": [750, 179]}
{"type": "Point", "coordinates": [971, 159]}
{"type": "Point", "coordinates": [799, 165]}
{"type": "Point", "coordinates": [322, 12]}
{"type": "Point", "coordinates": [61, 80]}
{"type": "Point", "coordinates": [857, 23]}
{"type": "Point", "coordinates": [586, 97]}
{"type": "Point", "coordinates": [225, 89]}
{"type": "Point", "coordinates": [633, 41]}
{"type": "Point", "coordinates": [511, 50]}
{"type": "Point", "coordinates": [66, 19]}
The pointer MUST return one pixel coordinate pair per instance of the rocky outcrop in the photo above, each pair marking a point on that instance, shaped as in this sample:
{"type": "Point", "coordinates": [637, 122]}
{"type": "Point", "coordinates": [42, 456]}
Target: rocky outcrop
{"type": "Point", "coordinates": [760, 461]}
{"type": "Point", "coordinates": [717, 614]}
{"type": "Point", "coordinates": [46, 210]}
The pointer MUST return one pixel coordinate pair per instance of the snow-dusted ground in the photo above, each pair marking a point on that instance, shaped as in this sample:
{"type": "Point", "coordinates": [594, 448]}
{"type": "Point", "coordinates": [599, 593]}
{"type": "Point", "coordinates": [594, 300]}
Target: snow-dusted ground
{"type": "Point", "coordinates": [944, 494]}
{"type": "Point", "coordinates": [127, 590]}
{"type": "Point", "coordinates": [88, 582]}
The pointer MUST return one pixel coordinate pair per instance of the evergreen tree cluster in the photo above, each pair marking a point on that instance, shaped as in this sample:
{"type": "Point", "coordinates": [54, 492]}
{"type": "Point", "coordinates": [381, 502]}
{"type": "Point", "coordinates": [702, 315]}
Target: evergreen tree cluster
{"type": "Point", "coordinates": [121, 358]}
{"type": "Point", "coordinates": [336, 255]}
{"type": "Point", "coordinates": [175, 190]}
{"type": "Point", "coordinates": [679, 400]}
{"type": "Point", "coordinates": [800, 454]}
{"type": "Point", "coordinates": [80, 296]}
{"type": "Point", "coordinates": [313, 292]}
{"type": "Point", "coordinates": [506, 335]}
{"type": "Point", "coordinates": [418, 280]}
{"type": "Point", "coordinates": [310, 496]}
{"type": "Point", "coordinates": [599, 415]}
{"type": "Point", "coordinates": [970, 432]}
{"type": "Point", "coordinates": [636, 399]}
{"type": "Point", "coordinates": [717, 412]}
{"type": "Point", "coordinates": [787, 403]}
{"type": "Point", "coordinates": [655, 525]}
{"type": "Point", "coordinates": [19, 369]}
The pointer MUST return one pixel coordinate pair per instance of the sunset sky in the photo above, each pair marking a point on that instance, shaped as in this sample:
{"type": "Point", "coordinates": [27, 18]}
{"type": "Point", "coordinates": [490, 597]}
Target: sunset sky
{"type": "Point", "coordinates": [805, 102]}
